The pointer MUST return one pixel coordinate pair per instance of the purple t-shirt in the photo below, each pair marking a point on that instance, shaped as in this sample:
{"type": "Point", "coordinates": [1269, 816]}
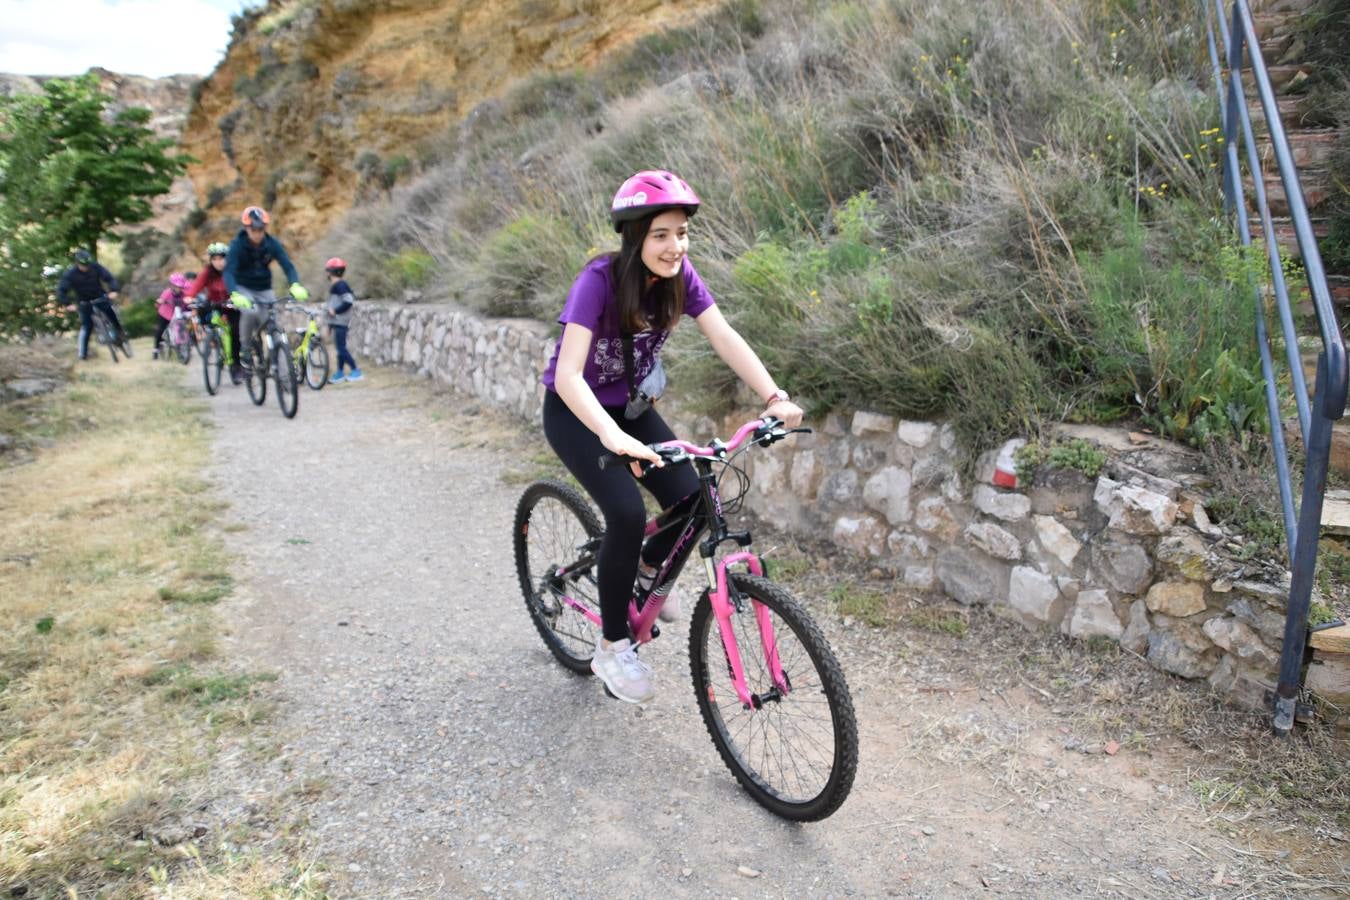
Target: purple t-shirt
{"type": "Point", "coordinates": [587, 303]}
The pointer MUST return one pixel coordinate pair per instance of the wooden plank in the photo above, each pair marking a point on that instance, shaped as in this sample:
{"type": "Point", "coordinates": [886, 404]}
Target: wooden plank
{"type": "Point", "coordinates": [1336, 513]}
{"type": "Point", "coordinates": [1332, 640]}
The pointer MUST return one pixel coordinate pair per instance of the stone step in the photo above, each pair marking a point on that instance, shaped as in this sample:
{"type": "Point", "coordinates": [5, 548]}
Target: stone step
{"type": "Point", "coordinates": [1281, 8]}
{"type": "Point", "coordinates": [1329, 674]}
{"type": "Point", "coordinates": [1316, 184]}
{"type": "Point", "coordinates": [1285, 235]}
{"type": "Point", "coordinates": [1331, 640]}
{"type": "Point", "coordinates": [1336, 518]}
{"type": "Point", "coordinates": [1339, 462]}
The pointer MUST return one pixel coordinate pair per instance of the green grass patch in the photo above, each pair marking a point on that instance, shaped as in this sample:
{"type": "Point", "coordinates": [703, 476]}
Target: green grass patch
{"type": "Point", "coordinates": [938, 621]}
{"type": "Point", "coordinates": [198, 588]}
{"type": "Point", "coordinates": [867, 606]}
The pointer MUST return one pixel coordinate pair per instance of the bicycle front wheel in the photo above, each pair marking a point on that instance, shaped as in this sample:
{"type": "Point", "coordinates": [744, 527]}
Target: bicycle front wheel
{"type": "Point", "coordinates": [795, 750]}
{"type": "Point", "coordinates": [213, 360]}
{"type": "Point", "coordinates": [255, 377]}
{"type": "Point", "coordinates": [288, 385]}
{"type": "Point", "coordinates": [316, 365]}
{"type": "Point", "coordinates": [556, 534]}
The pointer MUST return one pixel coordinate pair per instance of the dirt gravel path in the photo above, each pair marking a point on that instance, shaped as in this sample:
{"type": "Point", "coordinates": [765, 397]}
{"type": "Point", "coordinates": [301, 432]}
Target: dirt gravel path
{"type": "Point", "coordinates": [446, 754]}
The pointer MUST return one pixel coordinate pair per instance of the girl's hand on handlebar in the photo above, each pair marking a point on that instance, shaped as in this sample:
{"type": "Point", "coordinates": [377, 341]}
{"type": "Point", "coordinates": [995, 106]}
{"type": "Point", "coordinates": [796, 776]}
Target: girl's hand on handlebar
{"type": "Point", "coordinates": [621, 443]}
{"type": "Point", "coordinates": [789, 412]}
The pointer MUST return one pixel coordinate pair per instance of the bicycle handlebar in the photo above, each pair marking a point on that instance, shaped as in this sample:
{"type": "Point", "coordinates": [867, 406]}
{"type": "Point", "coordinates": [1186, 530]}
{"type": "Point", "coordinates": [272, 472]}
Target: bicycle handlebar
{"type": "Point", "coordinates": [764, 432]}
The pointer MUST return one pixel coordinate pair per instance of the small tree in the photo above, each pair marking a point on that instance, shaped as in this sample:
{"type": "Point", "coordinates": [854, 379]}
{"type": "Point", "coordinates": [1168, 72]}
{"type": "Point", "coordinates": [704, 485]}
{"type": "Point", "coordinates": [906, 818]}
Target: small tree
{"type": "Point", "coordinates": [69, 173]}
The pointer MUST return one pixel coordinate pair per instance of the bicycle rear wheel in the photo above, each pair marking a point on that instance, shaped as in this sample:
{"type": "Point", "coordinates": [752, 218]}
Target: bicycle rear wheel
{"type": "Point", "coordinates": [288, 384]}
{"type": "Point", "coordinates": [213, 360]}
{"type": "Point", "coordinates": [795, 750]}
{"type": "Point", "coordinates": [556, 534]}
{"type": "Point", "coordinates": [316, 365]}
{"type": "Point", "coordinates": [255, 376]}
{"type": "Point", "coordinates": [182, 344]}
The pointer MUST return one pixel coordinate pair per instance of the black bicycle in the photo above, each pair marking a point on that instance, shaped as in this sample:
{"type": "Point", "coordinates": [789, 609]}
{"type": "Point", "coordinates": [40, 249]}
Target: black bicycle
{"type": "Point", "coordinates": [106, 333]}
{"type": "Point", "coordinates": [269, 354]}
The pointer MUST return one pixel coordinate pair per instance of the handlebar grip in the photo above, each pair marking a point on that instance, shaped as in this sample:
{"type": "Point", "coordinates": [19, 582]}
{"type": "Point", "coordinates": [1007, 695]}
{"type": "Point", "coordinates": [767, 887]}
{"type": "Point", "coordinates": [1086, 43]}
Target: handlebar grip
{"type": "Point", "coordinates": [612, 460]}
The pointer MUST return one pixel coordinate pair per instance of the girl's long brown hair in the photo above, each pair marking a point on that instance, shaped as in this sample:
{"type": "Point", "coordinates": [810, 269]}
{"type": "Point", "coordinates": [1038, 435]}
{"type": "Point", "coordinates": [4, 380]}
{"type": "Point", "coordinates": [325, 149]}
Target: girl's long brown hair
{"type": "Point", "coordinates": [637, 306]}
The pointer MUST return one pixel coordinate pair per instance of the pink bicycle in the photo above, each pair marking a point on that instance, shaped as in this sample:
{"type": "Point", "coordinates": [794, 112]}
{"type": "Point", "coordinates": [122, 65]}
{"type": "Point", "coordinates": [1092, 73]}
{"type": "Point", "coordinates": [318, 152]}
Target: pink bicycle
{"type": "Point", "coordinates": [768, 686]}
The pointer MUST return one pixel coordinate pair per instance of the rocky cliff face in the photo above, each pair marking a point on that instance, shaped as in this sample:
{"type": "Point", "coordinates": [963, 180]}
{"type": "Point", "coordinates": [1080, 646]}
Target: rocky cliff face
{"type": "Point", "coordinates": [315, 99]}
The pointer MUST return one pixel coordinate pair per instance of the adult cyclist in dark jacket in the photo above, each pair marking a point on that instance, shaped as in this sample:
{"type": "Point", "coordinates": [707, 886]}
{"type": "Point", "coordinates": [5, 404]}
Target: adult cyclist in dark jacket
{"type": "Point", "coordinates": [86, 285]}
{"type": "Point", "coordinates": [248, 275]}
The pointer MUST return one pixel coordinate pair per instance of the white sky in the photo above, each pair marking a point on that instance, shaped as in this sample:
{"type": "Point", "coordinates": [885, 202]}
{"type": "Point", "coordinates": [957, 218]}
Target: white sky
{"type": "Point", "coordinates": [135, 37]}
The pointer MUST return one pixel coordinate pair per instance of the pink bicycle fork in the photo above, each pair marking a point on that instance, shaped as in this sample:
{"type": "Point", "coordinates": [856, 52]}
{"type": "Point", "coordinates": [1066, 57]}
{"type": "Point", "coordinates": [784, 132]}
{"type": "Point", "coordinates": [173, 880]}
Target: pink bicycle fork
{"type": "Point", "coordinates": [641, 623]}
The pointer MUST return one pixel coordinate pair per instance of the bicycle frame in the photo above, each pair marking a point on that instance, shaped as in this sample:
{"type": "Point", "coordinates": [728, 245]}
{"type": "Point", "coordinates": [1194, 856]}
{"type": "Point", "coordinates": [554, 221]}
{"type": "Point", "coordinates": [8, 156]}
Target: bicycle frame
{"type": "Point", "coordinates": [301, 351]}
{"type": "Point", "coordinates": [703, 515]}
{"type": "Point", "coordinates": [222, 328]}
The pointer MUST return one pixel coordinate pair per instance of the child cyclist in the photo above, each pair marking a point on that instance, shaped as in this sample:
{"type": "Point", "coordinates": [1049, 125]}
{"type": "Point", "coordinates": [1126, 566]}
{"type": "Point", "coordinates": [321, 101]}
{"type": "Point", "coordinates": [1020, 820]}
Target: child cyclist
{"type": "Point", "coordinates": [618, 315]}
{"type": "Point", "coordinates": [339, 309]}
{"type": "Point", "coordinates": [211, 282]}
{"type": "Point", "coordinates": [171, 299]}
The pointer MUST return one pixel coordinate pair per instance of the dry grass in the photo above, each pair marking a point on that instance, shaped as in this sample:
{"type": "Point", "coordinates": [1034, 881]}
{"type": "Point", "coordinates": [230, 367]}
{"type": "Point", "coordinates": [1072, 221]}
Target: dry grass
{"type": "Point", "coordinates": [114, 710]}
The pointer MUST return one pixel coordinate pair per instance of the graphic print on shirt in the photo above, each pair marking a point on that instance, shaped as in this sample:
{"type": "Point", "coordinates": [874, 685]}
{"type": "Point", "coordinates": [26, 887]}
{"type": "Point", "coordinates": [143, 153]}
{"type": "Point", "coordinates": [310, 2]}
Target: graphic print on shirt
{"type": "Point", "coordinates": [609, 362]}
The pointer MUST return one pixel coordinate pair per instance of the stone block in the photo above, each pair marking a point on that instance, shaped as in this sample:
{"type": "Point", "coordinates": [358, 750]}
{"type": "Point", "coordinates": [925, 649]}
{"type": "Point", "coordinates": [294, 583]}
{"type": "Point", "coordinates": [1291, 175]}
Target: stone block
{"type": "Point", "coordinates": [1134, 509]}
{"type": "Point", "coordinates": [1135, 636]}
{"type": "Point", "coordinates": [972, 578]}
{"type": "Point", "coordinates": [866, 423]}
{"type": "Point", "coordinates": [993, 540]}
{"type": "Point", "coordinates": [1056, 492]}
{"type": "Point", "coordinates": [1057, 540]}
{"type": "Point", "coordinates": [932, 468]}
{"type": "Point", "coordinates": [887, 492]}
{"type": "Point", "coordinates": [770, 474]}
{"type": "Point", "coordinates": [1176, 598]}
{"type": "Point", "coordinates": [947, 438]}
{"type": "Point", "coordinates": [867, 456]}
{"type": "Point", "coordinates": [933, 516]}
{"type": "Point", "coordinates": [834, 425]}
{"type": "Point", "coordinates": [1241, 640]}
{"type": "Point", "coordinates": [863, 535]}
{"type": "Point", "coordinates": [907, 548]}
{"type": "Point", "coordinates": [1171, 652]}
{"type": "Point", "coordinates": [1035, 596]}
{"type": "Point", "coordinates": [1268, 623]}
{"type": "Point", "coordinates": [1010, 507]}
{"type": "Point", "coordinates": [917, 434]}
{"type": "Point", "coordinates": [839, 486]}
{"type": "Point", "coordinates": [806, 474]}
{"type": "Point", "coordinates": [1186, 552]}
{"type": "Point", "coordinates": [1121, 564]}
{"type": "Point", "coordinates": [920, 577]}
{"type": "Point", "coordinates": [1329, 678]}
{"type": "Point", "coordinates": [1094, 615]}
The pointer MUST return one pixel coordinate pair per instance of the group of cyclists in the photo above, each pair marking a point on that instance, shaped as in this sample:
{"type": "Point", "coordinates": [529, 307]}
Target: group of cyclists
{"type": "Point", "coordinates": [236, 282]}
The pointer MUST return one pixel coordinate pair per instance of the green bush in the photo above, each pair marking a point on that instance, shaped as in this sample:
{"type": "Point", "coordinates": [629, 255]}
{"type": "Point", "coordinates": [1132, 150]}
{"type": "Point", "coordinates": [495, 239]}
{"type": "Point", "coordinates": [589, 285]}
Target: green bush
{"type": "Point", "coordinates": [411, 267]}
{"type": "Point", "coordinates": [139, 317]}
{"type": "Point", "coordinates": [524, 267]}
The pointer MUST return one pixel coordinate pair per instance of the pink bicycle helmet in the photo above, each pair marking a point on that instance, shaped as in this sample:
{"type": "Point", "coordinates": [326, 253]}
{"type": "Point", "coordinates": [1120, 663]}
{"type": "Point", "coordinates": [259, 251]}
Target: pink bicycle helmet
{"type": "Point", "coordinates": [651, 191]}
{"type": "Point", "coordinates": [178, 280]}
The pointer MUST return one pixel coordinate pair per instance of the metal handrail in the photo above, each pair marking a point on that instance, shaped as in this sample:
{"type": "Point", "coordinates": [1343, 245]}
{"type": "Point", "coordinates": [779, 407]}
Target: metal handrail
{"type": "Point", "coordinates": [1302, 528]}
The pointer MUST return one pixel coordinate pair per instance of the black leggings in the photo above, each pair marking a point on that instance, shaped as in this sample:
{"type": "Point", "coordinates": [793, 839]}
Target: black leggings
{"type": "Point", "coordinates": [615, 491]}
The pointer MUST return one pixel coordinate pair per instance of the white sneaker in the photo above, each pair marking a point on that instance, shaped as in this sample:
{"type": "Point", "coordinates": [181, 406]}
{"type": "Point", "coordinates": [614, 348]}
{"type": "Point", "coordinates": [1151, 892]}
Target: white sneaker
{"type": "Point", "coordinates": [626, 676]}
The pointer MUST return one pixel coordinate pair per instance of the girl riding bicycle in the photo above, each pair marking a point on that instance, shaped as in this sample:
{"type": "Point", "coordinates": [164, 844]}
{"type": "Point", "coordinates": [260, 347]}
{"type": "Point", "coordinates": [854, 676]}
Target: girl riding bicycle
{"type": "Point", "coordinates": [603, 377]}
{"type": "Point", "coordinates": [172, 298]}
{"type": "Point", "coordinates": [211, 281]}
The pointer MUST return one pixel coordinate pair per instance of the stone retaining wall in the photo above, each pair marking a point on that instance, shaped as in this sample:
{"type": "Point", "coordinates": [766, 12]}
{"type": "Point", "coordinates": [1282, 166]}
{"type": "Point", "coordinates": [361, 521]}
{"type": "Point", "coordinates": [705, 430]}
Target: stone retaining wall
{"type": "Point", "coordinates": [1128, 556]}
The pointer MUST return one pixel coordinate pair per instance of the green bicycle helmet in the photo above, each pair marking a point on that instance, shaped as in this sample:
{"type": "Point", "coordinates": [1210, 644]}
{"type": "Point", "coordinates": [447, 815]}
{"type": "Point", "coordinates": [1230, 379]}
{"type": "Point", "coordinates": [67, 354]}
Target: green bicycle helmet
{"type": "Point", "coordinates": [216, 248]}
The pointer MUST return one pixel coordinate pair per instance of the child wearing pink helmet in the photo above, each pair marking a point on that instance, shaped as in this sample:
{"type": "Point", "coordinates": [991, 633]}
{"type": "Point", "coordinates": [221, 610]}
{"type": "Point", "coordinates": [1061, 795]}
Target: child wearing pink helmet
{"type": "Point", "coordinates": [173, 297]}
{"type": "Point", "coordinates": [603, 379]}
